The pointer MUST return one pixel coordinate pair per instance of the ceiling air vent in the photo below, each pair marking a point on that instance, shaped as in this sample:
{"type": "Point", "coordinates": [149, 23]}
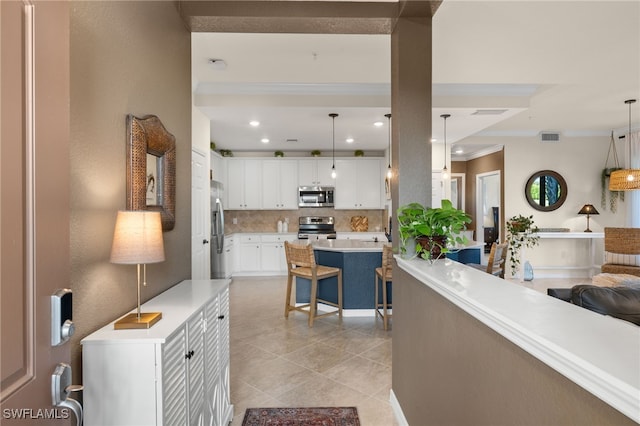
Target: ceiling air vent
{"type": "Point", "coordinates": [292, 140]}
{"type": "Point", "coordinates": [549, 137]}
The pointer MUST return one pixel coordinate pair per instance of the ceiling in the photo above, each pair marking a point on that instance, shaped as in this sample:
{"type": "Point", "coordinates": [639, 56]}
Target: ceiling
{"type": "Point", "coordinates": [502, 70]}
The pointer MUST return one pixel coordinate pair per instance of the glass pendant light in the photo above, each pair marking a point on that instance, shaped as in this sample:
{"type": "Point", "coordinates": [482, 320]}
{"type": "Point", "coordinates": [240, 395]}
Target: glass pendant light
{"type": "Point", "coordinates": [445, 171]}
{"type": "Point", "coordinates": [389, 171]}
{"type": "Point", "coordinates": [629, 178]}
{"type": "Point", "coordinates": [333, 116]}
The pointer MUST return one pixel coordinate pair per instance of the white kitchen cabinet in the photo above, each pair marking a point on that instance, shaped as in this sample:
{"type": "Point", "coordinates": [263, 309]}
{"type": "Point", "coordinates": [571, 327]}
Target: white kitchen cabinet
{"type": "Point", "coordinates": [248, 253]}
{"type": "Point", "coordinates": [229, 256]}
{"type": "Point", "coordinates": [218, 168]}
{"type": "Point", "coordinates": [174, 373]}
{"type": "Point", "coordinates": [279, 184]}
{"type": "Point", "coordinates": [244, 184]}
{"type": "Point", "coordinates": [272, 255]}
{"type": "Point", "coordinates": [315, 172]}
{"type": "Point", "coordinates": [359, 184]}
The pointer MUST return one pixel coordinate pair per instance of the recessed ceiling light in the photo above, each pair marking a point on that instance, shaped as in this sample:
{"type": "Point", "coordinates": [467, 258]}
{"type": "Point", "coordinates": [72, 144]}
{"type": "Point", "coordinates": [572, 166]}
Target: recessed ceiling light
{"type": "Point", "coordinates": [264, 140]}
{"type": "Point", "coordinates": [459, 151]}
{"type": "Point", "coordinates": [254, 123]}
{"type": "Point", "coordinates": [433, 140]}
{"type": "Point", "coordinates": [378, 124]}
{"type": "Point", "coordinates": [349, 140]}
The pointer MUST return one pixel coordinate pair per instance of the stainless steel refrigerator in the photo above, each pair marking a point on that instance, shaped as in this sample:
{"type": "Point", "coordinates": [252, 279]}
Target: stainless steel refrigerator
{"type": "Point", "coordinates": [217, 232]}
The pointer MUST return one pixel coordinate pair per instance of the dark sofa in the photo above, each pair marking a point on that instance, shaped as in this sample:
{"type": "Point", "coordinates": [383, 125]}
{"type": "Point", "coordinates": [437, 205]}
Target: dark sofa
{"type": "Point", "coordinates": [618, 302]}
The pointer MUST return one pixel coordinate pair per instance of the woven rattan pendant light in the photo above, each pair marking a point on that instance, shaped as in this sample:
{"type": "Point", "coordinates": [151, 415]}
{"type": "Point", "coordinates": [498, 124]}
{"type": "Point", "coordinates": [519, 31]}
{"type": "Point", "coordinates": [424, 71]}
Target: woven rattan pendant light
{"type": "Point", "coordinates": [626, 179]}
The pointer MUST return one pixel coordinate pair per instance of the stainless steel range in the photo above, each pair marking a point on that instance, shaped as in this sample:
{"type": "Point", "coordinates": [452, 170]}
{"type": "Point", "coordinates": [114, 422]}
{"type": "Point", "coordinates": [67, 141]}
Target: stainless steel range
{"type": "Point", "coordinates": [316, 228]}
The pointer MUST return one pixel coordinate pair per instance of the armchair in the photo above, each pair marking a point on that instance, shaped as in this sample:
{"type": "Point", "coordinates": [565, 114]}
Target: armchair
{"type": "Point", "coordinates": [621, 251]}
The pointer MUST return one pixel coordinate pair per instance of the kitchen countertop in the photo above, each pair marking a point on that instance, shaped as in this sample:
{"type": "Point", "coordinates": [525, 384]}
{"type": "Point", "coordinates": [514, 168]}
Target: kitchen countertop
{"type": "Point", "coordinates": [345, 245]}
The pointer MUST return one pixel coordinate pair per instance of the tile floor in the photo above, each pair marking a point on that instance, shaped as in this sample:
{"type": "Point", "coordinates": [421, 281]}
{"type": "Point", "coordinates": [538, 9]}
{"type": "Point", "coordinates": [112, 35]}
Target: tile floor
{"type": "Point", "coordinates": [277, 362]}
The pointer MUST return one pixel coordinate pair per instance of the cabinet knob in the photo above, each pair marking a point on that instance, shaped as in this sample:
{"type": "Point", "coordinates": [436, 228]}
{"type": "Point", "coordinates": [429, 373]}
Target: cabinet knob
{"type": "Point", "coordinates": [205, 241]}
{"type": "Point", "coordinates": [220, 317]}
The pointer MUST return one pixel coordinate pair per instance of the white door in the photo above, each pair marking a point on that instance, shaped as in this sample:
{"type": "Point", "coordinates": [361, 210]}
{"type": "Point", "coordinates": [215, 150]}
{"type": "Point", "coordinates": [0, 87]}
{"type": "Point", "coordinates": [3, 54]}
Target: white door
{"type": "Point", "coordinates": [34, 205]}
{"type": "Point", "coordinates": [200, 225]}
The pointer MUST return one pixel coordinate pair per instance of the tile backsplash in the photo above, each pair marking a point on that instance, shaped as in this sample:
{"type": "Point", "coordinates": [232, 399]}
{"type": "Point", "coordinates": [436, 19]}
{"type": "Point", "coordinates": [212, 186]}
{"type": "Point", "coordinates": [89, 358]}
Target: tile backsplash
{"type": "Point", "coordinates": [267, 220]}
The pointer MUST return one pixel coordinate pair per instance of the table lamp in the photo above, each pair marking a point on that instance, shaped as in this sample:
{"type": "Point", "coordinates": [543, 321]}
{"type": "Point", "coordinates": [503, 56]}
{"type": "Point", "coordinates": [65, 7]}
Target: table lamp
{"type": "Point", "coordinates": [588, 209]}
{"type": "Point", "coordinates": [137, 240]}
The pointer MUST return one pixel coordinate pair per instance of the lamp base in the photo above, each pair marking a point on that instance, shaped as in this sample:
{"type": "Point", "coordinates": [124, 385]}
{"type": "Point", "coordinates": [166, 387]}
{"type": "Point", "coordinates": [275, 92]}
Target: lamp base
{"type": "Point", "coordinates": [131, 321]}
{"type": "Point", "coordinates": [588, 230]}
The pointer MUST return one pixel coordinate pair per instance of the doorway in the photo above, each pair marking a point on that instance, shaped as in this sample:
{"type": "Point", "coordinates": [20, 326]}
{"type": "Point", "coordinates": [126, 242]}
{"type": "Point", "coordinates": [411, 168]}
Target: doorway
{"type": "Point", "coordinates": [488, 212]}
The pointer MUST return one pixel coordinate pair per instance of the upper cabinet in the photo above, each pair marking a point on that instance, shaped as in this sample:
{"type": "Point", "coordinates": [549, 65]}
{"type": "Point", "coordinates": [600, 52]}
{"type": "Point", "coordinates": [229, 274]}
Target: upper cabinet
{"type": "Point", "coordinates": [279, 184]}
{"type": "Point", "coordinates": [244, 184]}
{"type": "Point", "coordinates": [359, 184]}
{"type": "Point", "coordinates": [315, 172]}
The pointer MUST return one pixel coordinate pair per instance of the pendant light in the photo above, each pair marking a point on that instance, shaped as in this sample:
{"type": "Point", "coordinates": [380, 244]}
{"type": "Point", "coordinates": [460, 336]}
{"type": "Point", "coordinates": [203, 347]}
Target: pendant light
{"type": "Point", "coordinates": [445, 171]}
{"type": "Point", "coordinates": [389, 171]}
{"type": "Point", "coordinates": [333, 116]}
{"type": "Point", "coordinates": [626, 179]}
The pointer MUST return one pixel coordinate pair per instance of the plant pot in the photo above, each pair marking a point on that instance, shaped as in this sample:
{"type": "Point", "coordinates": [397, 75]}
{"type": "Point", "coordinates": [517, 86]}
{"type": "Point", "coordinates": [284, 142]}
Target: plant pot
{"type": "Point", "coordinates": [433, 245]}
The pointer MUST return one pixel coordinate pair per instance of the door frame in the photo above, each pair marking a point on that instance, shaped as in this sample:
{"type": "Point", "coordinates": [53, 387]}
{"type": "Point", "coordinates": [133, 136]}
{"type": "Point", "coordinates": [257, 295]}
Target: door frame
{"type": "Point", "coordinates": [480, 196]}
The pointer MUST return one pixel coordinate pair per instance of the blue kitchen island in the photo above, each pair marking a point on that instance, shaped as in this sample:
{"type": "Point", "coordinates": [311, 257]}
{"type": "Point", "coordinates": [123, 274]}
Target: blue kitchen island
{"type": "Point", "coordinates": [358, 260]}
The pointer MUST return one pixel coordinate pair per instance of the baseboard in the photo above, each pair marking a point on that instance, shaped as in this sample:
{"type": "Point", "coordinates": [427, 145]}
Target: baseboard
{"type": "Point", "coordinates": [397, 410]}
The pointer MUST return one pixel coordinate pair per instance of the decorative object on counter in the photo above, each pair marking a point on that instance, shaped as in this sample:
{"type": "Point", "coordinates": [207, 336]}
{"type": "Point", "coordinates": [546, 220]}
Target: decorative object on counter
{"type": "Point", "coordinates": [358, 153]}
{"type": "Point", "coordinates": [226, 153]}
{"type": "Point", "coordinates": [359, 223]}
{"type": "Point", "coordinates": [279, 226]}
{"type": "Point", "coordinates": [628, 178]}
{"type": "Point", "coordinates": [285, 225]}
{"type": "Point", "coordinates": [588, 209]}
{"type": "Point", "coordinates": [604, 177]}
{"type": "Point", "coordinates": [137, 240]}
{"type": "Point", "coordinates": [315, 153]}
{"type": "Point", "coordinates": [278, 154]}
{"type": "Point", "coordinates": [151, 168]}
{"type": "Point", "coordinates": [521, 232]}
{"type": "Point", "coordinates": [389, 170]}
{"type": "Point", "coordinates": [333, 116]}
{"type": "Point", "coordinates": [546, 190]}
{"type": "Point", "coordinates": [433, 230]}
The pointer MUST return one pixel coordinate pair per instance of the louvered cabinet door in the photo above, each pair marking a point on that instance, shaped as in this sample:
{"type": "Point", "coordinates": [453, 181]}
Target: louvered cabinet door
{"type": "Point", "coordinates": [195, 369]}
{"type": "Point", "coordinates": [211, 364]}
{"type": "Point", "coordinates": [174, 385]}
{"type": "Point", "coordinates": [226, 409]}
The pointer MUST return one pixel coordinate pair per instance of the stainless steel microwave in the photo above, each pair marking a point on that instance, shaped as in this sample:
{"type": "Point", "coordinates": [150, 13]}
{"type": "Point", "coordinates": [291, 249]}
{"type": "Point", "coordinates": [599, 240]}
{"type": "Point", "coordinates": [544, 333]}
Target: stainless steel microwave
{"type": "Point", "coordinates": [315, 196]}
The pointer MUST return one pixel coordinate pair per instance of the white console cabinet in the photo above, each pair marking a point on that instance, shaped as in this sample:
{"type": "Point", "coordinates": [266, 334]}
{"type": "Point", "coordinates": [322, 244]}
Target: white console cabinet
{"type": "Point", "coordinates": [175, 373]}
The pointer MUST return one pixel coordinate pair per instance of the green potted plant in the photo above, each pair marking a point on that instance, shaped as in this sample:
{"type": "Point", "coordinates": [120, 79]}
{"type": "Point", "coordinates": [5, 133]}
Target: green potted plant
{"type": "Point", "coordinates": [521, 232]}
{"type": "Point", "coordinates": [358, 153]}
{"type": "Point", "coordinates": [278, 154]}
{"type": "Point", "coordinates": [430, 232]}
{"type": "Point", "coordinates": [315, 153]}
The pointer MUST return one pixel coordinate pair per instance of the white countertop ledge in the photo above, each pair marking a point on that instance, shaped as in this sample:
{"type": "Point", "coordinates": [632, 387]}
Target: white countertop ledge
{"type": "Point", "coordinates": [599, 353]}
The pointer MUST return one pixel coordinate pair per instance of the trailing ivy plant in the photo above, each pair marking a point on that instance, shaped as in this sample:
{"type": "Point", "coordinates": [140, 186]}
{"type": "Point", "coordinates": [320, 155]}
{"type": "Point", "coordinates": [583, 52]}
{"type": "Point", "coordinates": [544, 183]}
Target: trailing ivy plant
{"type": "Point", "coordinates": [521, 232]}
{"type": "Point", "coordinates": [613, 195]}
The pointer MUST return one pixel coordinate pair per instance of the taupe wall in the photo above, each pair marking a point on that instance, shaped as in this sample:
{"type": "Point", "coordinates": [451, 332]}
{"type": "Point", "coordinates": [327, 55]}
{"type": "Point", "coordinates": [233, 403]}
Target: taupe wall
{"type": "Point", "coordinates": [450, 369]}
{"type": "Point", "coordinates": [473, 167]}
{"type": "Point", "coordinates": [126, 57]}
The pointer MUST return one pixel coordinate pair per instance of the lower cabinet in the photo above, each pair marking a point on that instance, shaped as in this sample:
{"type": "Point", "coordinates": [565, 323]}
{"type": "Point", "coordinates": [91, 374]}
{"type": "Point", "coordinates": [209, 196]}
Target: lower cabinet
{"type": "Point", "coordinates": [175, 373]}
{"type": "Point", "coordinates": [261, 254]}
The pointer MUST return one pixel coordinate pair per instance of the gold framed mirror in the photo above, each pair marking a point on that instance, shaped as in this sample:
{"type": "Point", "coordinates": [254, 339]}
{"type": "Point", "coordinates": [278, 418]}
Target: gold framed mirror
{"type": "Point", "coordinates": [546, 190]}
{"type": "Point", "coordinates": [151, 168]}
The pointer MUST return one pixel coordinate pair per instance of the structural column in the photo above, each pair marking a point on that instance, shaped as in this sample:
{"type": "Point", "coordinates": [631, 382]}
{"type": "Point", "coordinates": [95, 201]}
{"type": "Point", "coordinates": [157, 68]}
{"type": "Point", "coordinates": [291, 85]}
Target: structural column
{"type": "Point", "coordinates": [411, 106]}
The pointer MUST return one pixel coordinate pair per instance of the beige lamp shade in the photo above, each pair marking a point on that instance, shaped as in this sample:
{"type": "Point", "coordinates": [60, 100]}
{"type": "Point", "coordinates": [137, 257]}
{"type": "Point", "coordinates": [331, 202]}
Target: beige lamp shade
{"type": "Point", "coordinates": [137, 238]}
{"type": "Point", "coordinates": [624, 180]}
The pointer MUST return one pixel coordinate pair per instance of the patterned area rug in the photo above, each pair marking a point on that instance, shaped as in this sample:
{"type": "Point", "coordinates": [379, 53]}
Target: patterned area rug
{"type": "Point", "coordinates": [307, 416]}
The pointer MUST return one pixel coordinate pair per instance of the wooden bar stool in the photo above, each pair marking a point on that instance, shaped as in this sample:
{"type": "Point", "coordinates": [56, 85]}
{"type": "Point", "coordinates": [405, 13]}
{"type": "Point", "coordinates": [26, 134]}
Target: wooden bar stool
{"type": "Point", "coordinates": [496, 262]}
{"type": "Point", "coordinates": [302, 263]}
{"type": "Point", "coordinates": [384, 274]}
